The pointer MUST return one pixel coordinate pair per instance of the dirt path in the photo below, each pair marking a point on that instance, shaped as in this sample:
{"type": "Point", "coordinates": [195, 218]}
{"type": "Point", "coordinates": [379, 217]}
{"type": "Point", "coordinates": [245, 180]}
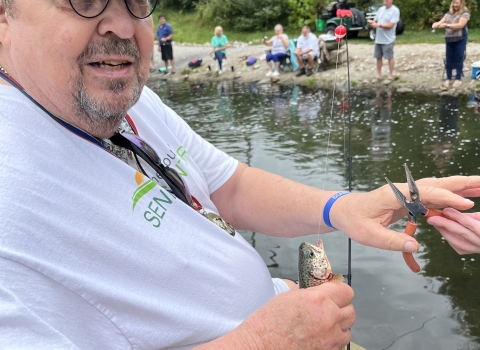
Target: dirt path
{"type": "Point", "coordinates": [418, 67]}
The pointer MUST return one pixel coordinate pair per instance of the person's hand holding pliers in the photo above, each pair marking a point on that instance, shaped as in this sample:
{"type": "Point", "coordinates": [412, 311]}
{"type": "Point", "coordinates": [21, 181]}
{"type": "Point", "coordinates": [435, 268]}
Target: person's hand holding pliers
{"type": "Point", "coordinates": [415, 208]}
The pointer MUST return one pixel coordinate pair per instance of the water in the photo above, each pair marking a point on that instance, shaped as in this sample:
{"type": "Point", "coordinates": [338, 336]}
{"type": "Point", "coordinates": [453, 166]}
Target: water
{"type": "Point", "coordinates": [284, 130]}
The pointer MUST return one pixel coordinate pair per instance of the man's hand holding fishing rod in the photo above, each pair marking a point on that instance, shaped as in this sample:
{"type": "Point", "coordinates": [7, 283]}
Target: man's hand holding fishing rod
{"type": "Point", "coordinates": [321, 317]}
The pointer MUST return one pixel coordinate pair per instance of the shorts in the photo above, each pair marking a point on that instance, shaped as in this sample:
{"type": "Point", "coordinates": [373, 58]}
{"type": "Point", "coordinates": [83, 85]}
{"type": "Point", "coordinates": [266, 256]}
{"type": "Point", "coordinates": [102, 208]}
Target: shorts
{"type": "Point", "coordinates": [167, 52]}
{"type": "Point", "coordinates": [311, 53]}
{"type": "Point", "coordinates": [277, 57]}
{"type": "Point", "coordinates": [384, 50]}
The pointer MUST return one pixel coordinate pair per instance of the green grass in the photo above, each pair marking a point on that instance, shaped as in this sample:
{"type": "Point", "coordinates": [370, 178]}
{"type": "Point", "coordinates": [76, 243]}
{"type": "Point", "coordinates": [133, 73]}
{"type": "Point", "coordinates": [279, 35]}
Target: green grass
{"type": "Point", "coordinates": [188, 27]}
{"type": "Point", "coordinates": [311, 83]}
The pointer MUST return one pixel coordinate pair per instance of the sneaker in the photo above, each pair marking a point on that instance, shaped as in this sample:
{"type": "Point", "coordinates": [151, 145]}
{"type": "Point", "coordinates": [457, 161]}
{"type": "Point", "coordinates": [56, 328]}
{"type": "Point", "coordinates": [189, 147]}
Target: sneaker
{"type": "Point", "coordinates": [275, 74]}
{"type": "Point", "coordinates": [269, 73]}
{"type": "Point", "coordinates": [300, 72]}
{"type": "Point", "coordinates": [309, 72]}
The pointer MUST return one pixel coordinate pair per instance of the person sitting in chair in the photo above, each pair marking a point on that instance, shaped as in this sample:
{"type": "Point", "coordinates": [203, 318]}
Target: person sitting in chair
{"type": "Point", "coordinates": [279, 50]}
{"type": "Point", "coordinates": [218, 49]}
{"type": "Point", "coordinates": [307, 49]}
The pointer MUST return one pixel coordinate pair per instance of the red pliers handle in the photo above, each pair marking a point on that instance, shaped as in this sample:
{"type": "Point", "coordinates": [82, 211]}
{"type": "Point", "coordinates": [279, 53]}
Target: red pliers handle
{"type": "Point", "coordinates": [410, 230]}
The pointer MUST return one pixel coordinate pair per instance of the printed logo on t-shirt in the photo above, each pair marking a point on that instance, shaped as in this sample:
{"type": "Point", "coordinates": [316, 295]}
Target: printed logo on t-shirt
{"type": "Point", "coordinates": [156, 209]}
{"type": "Point", "coordinates": [171, 159]}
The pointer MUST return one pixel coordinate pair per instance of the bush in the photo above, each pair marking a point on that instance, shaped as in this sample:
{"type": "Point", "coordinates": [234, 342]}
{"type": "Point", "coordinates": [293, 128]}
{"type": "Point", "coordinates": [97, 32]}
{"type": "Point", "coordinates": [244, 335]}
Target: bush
{"type": "Point", "coordinates": [244, 15]}
{"type": "Point", "coordinates": [178, 4]}
{"type": "Point", "coordinates": [304, 13]}
{"type": "Point", "coordinates": [420, 14]}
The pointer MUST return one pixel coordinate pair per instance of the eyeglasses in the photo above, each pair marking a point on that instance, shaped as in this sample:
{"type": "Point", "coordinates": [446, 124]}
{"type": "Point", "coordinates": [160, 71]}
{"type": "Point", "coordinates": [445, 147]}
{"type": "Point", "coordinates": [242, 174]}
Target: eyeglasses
{"type": "Point", "coordinates": [148, 154]}
{"type": "Point", "coordinates": [92, 8]}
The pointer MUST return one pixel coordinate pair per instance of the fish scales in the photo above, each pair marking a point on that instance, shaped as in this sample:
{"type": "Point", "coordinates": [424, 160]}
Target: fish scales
{"type": "Point", "coordinates": [313, 266]}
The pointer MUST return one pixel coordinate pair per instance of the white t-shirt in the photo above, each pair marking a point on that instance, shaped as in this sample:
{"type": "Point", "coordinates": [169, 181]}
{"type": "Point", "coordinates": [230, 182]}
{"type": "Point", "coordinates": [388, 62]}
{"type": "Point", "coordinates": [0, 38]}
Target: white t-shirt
{"type": "Point", "coordinates": [94, 256]}
{"type": "Point", "coordinates": [309, 42]}
{"type": "Point", "coordinates": [277, 44]}
{"type": "Point", "coordinates": [385, 16]}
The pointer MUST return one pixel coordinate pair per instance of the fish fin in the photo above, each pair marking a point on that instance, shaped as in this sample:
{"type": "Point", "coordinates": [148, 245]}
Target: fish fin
{"type": "Point", "coordinates": [337, 277]}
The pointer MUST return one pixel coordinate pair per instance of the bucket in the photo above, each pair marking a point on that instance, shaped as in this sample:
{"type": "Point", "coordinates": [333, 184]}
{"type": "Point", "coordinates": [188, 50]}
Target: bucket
{"type": "Point", "coordinates": [320, 25]}
{"type": "Point", "coordinates": [476, 70]}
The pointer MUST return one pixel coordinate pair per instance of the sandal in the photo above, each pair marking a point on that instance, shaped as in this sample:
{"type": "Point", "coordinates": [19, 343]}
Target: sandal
{"type": "Point", "coordinates": [376, 80]}
{"type": "Point", "coordinates": [387, 81]}
{"type": "Point", "coordinates": [457, 84]}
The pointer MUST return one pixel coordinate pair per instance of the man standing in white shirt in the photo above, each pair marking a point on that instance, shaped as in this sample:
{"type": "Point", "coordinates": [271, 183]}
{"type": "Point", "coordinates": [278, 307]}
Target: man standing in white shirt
{"type": "Point", "coordinates": [385, 23]}
{"type": "Point", "coordinates": [307, 49]}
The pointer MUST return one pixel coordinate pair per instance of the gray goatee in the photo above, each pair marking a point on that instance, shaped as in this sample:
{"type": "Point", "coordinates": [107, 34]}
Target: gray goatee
{"type": "Point", "coordinates": [102, 117]}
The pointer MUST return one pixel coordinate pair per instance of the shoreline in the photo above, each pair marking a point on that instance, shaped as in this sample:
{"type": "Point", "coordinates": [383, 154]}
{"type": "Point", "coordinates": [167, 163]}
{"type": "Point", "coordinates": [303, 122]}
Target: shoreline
{"type": "Point", "coordinates": [418, 68]}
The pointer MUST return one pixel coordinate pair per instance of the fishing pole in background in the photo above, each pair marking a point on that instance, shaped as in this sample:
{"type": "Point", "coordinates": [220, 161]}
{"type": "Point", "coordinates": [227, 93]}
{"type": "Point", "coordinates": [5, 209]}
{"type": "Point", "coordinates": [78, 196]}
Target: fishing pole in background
{"type": "Point", "coordinates": [313, 266]}
{"type": "Point", "coordinates": [340, 33]}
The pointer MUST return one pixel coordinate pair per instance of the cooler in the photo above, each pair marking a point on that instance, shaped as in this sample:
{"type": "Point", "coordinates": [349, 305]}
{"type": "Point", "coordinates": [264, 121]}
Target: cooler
{"type": "Point", "coordinates": [476, 70]}
{"type": "Point", "coordinates": [320, 25]}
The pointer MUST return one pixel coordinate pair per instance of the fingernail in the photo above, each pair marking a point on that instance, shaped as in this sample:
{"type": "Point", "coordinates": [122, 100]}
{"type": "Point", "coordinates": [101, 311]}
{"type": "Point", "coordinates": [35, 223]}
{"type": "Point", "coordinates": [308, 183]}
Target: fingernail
{"type": "Point", "coordinates": [468, 201]}
{"type": "Point", "coordinates": [411, 247]}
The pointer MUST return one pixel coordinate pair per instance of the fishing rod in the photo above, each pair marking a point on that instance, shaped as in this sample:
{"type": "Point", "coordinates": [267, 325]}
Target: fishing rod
{"type": "Point", "coordinates": [341, 32]}
{"type": "Point", "coordinates": [349, 160]}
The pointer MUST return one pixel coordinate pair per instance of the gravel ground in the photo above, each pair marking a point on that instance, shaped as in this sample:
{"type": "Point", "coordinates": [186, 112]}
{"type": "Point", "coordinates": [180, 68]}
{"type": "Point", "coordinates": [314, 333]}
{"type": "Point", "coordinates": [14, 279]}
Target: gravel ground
{"type": "Point", "coordinates": [418, 67]}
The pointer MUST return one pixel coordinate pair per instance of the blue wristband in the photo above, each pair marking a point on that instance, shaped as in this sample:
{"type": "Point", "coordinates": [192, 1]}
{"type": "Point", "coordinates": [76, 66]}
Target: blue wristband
{"type": "Point", "coordinates": [328, 206]}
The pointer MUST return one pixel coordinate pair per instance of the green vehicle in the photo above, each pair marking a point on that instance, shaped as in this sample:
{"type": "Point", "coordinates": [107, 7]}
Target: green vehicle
{"type": "Point", "coordinates": [328, 20]}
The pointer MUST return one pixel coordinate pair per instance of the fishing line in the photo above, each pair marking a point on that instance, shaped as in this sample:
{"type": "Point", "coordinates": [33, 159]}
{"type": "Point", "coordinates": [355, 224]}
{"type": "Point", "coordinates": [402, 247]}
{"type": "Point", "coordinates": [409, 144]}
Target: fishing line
{"type": "Point", "coordinates": [345, 152]}
{"type": "Point", "coordinates": [329, 133]}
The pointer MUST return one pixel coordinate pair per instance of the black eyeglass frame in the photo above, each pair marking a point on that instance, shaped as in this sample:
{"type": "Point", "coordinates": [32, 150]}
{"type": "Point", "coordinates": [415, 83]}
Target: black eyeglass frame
{"type": "Point", "coordinates": [122, 141]}
{"type": "Point", "coordinates": [106, 4]}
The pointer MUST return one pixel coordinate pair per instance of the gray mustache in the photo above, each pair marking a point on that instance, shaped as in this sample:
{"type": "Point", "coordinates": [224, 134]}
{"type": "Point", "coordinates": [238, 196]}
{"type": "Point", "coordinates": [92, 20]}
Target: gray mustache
{"type": "Point", "coordinates": [110, 46]}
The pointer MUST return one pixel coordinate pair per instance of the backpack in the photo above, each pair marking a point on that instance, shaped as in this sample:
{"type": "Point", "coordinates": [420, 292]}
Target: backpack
{"type": "Point", "coordinates": [251, 61]}
{"type": "Point", "coordinates": [194, 63]}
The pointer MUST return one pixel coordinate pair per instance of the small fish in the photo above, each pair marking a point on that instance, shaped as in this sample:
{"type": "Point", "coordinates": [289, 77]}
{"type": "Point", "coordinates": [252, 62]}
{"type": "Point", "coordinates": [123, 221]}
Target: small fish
{"type": "Point", "coordinates": [313, 266]}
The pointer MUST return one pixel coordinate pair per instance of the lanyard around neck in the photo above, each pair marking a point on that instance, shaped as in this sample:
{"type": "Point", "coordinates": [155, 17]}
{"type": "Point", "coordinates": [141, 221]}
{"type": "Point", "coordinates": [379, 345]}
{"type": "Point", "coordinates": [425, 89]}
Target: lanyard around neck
{"type": "Point", "coordinates": [68, 126]}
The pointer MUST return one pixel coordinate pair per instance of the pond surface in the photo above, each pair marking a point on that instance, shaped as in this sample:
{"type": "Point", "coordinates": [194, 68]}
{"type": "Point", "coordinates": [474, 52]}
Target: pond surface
{"type": "Point", "coordinates": [284, 129]}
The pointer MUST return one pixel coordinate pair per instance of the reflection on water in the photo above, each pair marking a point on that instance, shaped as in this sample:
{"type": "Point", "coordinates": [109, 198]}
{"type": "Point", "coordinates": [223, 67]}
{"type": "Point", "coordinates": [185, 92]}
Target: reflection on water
{"type": "Point", "coordinates": [447, 131]}
{"type": "Point", "coordinates": [381, 144]}
{"type": "Point", "coordinates": [285, 130]}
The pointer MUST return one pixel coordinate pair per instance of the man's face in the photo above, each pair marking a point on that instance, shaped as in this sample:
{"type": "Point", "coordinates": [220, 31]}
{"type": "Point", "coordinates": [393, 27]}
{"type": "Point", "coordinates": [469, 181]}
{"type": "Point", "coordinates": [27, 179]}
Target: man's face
{"type": "Point", "coordinates": [387, 3]}
{"type": "Point", "coordinates": [162, 20]}
{"type": "Point", "coordinates": [87, 71]}
{"type": "Point", "coordinates": [305, 32]}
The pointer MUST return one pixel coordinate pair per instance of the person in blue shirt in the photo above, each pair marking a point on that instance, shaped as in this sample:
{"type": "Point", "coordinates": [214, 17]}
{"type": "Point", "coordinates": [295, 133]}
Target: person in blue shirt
{"type": "Point", "coordinates": [219, 45]}
{"type": "Point", "coordinates": [165, 36]}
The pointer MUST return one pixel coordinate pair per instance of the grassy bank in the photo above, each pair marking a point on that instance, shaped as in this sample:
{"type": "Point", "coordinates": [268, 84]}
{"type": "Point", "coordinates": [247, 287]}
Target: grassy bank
{"type": "Point", "coordinates": [189, 28]}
